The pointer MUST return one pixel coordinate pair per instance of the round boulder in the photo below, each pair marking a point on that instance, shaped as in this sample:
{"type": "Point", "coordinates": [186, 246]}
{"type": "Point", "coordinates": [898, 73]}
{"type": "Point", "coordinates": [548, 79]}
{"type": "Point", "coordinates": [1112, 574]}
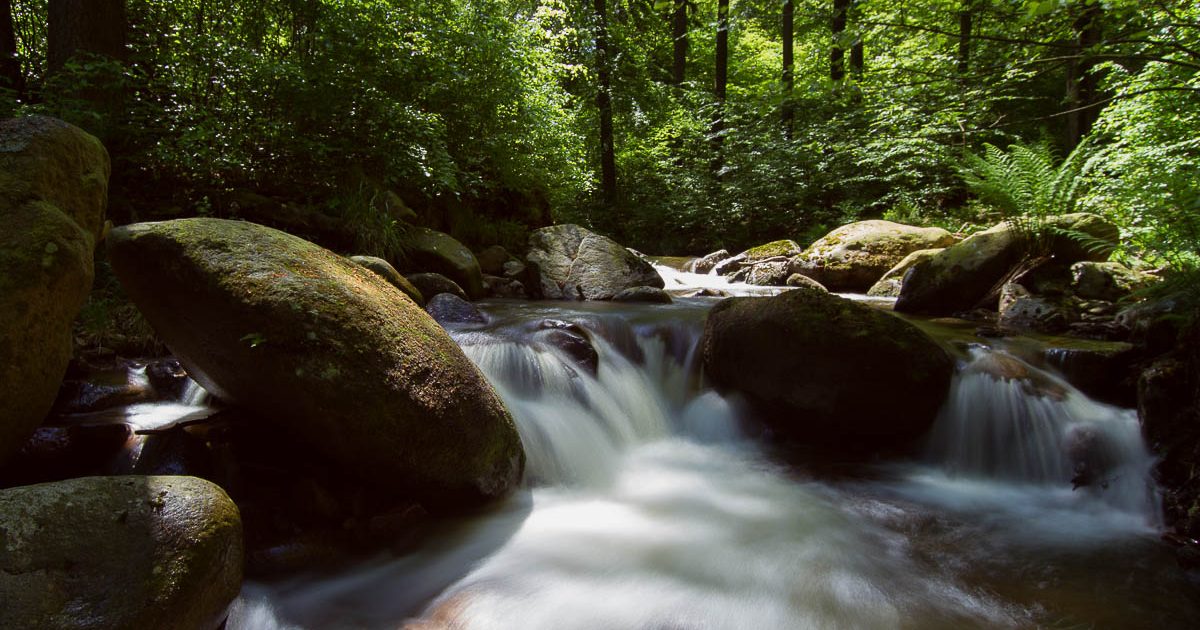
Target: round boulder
{"type": "Point", "coordinates": [447, 308]}
{"type": "Point", "coordinates": [889, 285]}
{"type": "Point", "coordinates": [389, 273]}
{"type": "Point", "coordinates": [431, 284]}
{"type": "Point", "coordinates": [432, 251]}
{"type": "Point", "coordinates": [855, 256]}
{"type": "Point", "coordinates": [53, 195]}
{"type": "Point", "coordinates": [572, 263]}
{"type": "Point", "coordinates": [321, 347]}
{"type": "Point", "coordinates": [652, 295]}
{"type": "Point", "coordinates": [824, 369]}
{"type": "Point", "coordinates": [118, 552]}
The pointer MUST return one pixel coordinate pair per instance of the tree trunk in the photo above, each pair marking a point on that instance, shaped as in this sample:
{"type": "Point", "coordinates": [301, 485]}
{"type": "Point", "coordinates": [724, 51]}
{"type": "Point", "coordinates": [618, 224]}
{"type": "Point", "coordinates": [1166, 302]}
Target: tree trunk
{"type": "Point", "coordinates": [837, 54]}
{"type": "Point", "coordinates": [85, 26]}
{"type": "Point", "coordinates": [10, 64]}
{"type": "Point", "coordinates": [1082, 85]}
{"type": "Point", "coordinates": [608, 160]}
{"type": "Point", "coordinates": [787, 31]}
{"type": "Point", "coordinates": [679, 35]}
{"type": "Point", "coordinates": [965, 24]}
{"type": "Point", "coordinates": [720, 80]}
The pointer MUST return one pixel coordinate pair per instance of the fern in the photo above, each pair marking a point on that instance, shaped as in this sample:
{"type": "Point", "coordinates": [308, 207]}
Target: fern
{"type": "Point", "coordinates": [1027, 187]}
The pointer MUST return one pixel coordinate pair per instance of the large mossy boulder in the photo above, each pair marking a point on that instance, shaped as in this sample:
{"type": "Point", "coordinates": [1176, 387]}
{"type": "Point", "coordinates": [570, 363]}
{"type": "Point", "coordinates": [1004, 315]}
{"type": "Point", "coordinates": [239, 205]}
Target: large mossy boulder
{"type": "Point", "coordinates": [324, 349]}
{"type": "Point", "coordinates": [855, 256]}
{"type": "Point", "coordinates": [891, 282]}
{"type": "Point", "coordinates": [572, 263]}
{"type": "Point", "coordinates": [118, 552]}
{"type": "Point", "coordinates": [965, 275]}
{"type": "Point", "coordinates": [432, 251]}
{"type": "Point", "coordinates": [53, 195]}
{"type": "Point", "coordinates": [824, 369]}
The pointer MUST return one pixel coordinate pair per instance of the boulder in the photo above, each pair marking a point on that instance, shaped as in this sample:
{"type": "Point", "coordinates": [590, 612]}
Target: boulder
{"type": "Point", "coordinates": [889, 285]}
{"type": "Point", "coordinates": [431, 284]}
{"type": "Point", "coordinates": [643, 294]}
{"type": "Point", "coordinates": [118, 552]}
{"type": "Point", "coordinates": [393, 277]}
{"type": "Point", "coordinates": [53, 196]}
{"type": "Point", "coordinates": [570, 262]}
{"type": "Point", "coordinates": [1023, 311]}
{"type": "Point", "coordinates": [802, 281]}
{"type": "Point", "coordinates": [501, 287]}
{"type": "Point", "coordinates": [730, 266]}
{"type": "Point", "coordinates": [966, 274]}
{"type": "Point", "coordinates": [447, 308]}
{"type": "Point", "coordinates": [322, 347]}
{"type": "Point", "coordinates": [774, 249]}
{"type": "Point", "coordinates": [432, 251]}
{"type": "Point", "coordinates": [854, 257]}
{"type": "Point", "coordinates": [770, 273]}
{"type": "Point", "coordinates": [1108, 281]}
{"type": "Point", "coordinates": [821, 368]}
{"type": "Point", "coordinates": [707, 263]}
{"type": "Point", "coordinates": [492, 260]}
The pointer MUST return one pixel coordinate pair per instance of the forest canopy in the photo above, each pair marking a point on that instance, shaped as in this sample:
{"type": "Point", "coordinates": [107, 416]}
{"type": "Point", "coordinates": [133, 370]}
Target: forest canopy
{"type": "Point", "coordinates": [676, 126]}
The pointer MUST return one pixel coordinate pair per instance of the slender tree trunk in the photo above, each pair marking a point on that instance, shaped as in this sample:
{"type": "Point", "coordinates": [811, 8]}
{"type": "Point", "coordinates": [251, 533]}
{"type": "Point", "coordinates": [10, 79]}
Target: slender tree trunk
{"type": "Point", "coordinates": [837, 54]}
{"type": "Point", "coordinates": [608, 160]}
{"type": "Point", "coordinates": [679, 35]}
{"type": "Point", "coordinates": [965, 24]}
{"type": "Point", "coordinates": [721, 79]}
{"type": "Point", "coordinates": [85, 26]}
{"type": "Point", "coordinates": [857, 59]}
{"type": "Point", "coordinates": [1083, 85]}
{"type": "Point", "coordinates": [787, 31]}
{"type": "Point", "coordinates": [10, 63]}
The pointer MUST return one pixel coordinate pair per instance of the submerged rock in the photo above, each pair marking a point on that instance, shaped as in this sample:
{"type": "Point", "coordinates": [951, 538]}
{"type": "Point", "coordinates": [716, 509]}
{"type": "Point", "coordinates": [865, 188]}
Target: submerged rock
{"type": "Point", "coordinates": [389, 273]}
{"type": "Point", "coordinates": [53, 195]}
{"type": "Point", "coordinates": [322, 347]}
{"type": "Point", "coordinates": [447, 308]}
{"type": "Point", "coordinates": [432, 251]}
{"type": "Point", "coordinates": [118, 552]}
{"type": "Point", "coordinates": [821, 368]}
{"type": "Point", "coordinates": [652, 295]}
{"type": "Point", "coordinates": [572, 263]}
{"type": "Point", "coordinates": [855, 256]}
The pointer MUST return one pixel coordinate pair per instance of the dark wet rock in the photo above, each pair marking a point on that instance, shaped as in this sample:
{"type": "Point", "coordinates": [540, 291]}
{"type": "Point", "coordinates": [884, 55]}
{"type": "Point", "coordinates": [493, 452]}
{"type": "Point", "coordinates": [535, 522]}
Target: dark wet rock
{"type": "Point", "coordinates": [730, 266]}
{"type": "Point", "coordinates": [967, 274]}
{"type": "Point", "coordinates": [515, 269]}
{"type": "Point", "coordinates": [1004, 367]}
{"type": "Point", "coordinates": [1169, 409]}
{"type": "Point", "coordinates": [573, 263]}
{"type": "Point", "coordinates": [57, 453]}
{"type": "Point", "coordinates": [1021, 310]}
{"type": "Point", "coordinates": [855, 256]}
{"type": "Point", "coordinates": [891, 282]}
{"type": "Point", "coordinates": [821, 368]}
{"type": "Point", "coordinates": [1103, 370]}
{"type": "Point", "coordinates": [173, 452]}
{"type": "Point", "coordinates": [431, 284]}
{"type": "Point", "coordinates": [53, 197]}
{"type": "Point", "coordinates": [432, 251]}
{"type": "Point", "coordinates": [653, 295]}
{"type": "Point", "coordinates": [88, 389]}
{"type": "Point", "coordinates": [493, 259]}
{"type": "Point", "coordinates": [447, 309]}
{"type": "Point", "coordinates": [322, 347]}
{"type": "Point", "coordinates": [574, 343]}
{"type": "Point", "coordinates": [168, 378]}
{"type": "Point", "coordinates": [503, 287]}
{"type": "Point", "coordinates": [707, 263]}
{"type": "Point", "coordinates": [393, 277]}
{"type": "Point", "coordinates": [119, 552]}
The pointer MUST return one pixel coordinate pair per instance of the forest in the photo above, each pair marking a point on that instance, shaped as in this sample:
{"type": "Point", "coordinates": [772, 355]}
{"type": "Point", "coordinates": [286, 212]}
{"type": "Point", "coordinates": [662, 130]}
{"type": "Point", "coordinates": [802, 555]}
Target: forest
{"type": "Point", "coordinates": [599, 314]}
{"type": "Point", "coordinates": [676, 127]}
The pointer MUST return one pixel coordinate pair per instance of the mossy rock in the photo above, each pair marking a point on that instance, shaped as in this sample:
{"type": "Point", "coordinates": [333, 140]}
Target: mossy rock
{"type": "Point", "coordinates": [569, 262]}
{"type": "Point", "coordinates": [389, 273]}
{"type": "Point", "coordinates": [118, 552]}
{"type": "Point", "coordinates": [53, 196]}
{"type": "Point", "coordinates": [1109, 281]}
{"type": "Point", "coordinates": [434, 284]}
{"type": "Point", "coordinates": [891, 282]}
{"type": "Point", "coordinates": [432, 251]}
{"type": "Point", "coordinates": [322, 348]}
{"type": "Point", "coordinates": [824, 369]}
{"type": "Point", "coordinates": [855, 256]}
{"type": "Point", "coordinates": [774, 249]}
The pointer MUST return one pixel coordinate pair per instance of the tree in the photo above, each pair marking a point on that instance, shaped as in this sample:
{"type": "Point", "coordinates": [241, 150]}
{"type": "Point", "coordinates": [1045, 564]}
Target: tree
{"type": "Point", "coordinates": [85, 26]}
{"type": "Point", "coordinates": [1082, 82]}
{"type": "Point", "coordinates": [679, 39]}
{"type": "Point", "coordinates": [720, 79]}
{"type": "Point", "coordinates": [608, 160]}
{"type": "Point", "coordinates": [786, 33]}
{"type": "Point", "coordinates": [837, 52]}
{"type": "Point", "coordinates": [965, 24]}
{"type": "Point", "coordinates": [10, 63]}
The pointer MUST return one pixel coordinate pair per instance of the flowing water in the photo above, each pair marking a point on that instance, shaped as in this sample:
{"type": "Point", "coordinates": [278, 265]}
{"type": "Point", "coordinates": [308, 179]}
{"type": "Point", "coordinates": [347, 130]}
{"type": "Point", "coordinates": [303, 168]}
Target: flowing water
{"type": "Point", "coordinates": [650, 502]}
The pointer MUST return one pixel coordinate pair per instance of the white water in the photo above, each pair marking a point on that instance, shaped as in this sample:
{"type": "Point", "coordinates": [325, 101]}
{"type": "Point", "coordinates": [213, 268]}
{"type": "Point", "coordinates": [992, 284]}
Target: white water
{"type": "Point", "coordinates": [648, 506]}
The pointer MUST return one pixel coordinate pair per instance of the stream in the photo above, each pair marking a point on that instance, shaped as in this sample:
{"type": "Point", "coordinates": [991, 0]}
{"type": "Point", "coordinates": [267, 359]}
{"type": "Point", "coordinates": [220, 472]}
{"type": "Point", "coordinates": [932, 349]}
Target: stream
{"type": "Point", "coordinates": [651, 501]}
